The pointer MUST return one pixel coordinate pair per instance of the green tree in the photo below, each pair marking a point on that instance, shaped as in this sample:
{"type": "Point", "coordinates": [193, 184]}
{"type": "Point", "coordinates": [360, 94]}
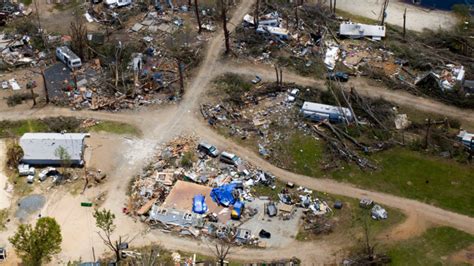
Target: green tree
{"type": "Point", "coordinates": [104, 220]}
{"type": "Point", "coordinates": [35, 246]}
{"type": "Point", "coordinates": [14, 155]}
{"type": "Point", "coordinates": [64, 156]}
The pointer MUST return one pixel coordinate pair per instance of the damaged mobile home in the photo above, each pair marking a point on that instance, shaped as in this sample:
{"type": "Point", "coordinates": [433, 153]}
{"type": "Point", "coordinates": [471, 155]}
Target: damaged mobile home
{"type": "Point", "coordinates": [53, 149]}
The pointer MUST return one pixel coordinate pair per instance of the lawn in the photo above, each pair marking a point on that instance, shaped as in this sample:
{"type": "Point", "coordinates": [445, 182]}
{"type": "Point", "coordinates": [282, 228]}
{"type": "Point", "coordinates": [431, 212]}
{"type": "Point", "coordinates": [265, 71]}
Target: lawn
{"type": "Point", "coordinates": [432, 248]}
{"type": "Point", "coordinates": [116, 128]}
{"type": "Point", "coordinates": [350, 219]}
{"type": "Point", "coordinates": [410, 174]}
{"type": "Point", "coordinates": [20, 127]}
{"type": "Point", "coordinates": [300, 153]}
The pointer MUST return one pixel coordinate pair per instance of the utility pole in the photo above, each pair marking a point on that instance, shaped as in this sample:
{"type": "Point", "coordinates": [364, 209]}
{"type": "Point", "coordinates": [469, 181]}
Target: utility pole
{"type": "Point", "coordinates": [384, 9]}
{"type": "Point", "coordinates": [428, 131]}
{"type": "Point", "coordinates": [196, 10]}
{"type": "Point", "coordinates": [334, 7]}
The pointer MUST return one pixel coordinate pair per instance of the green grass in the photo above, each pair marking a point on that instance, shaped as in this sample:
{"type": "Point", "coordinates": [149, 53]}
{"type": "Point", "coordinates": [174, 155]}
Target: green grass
{"type": "Point", "coordinates": [18, 128]}
{"type": "Point", "coordinates": [299, 153]}
{"type": "Point", "coordinates": [432, 248]}
{"type": "Point", "coordinates": [3, 219]}
{"type": "Point", "coordinates": [116, 128]}
{"type": "Point", "coordinates": [350, 219]}
{"type": "Point", "coordinates": [26, 2]}
{"type": "Point", "coordinates": [410, 174]}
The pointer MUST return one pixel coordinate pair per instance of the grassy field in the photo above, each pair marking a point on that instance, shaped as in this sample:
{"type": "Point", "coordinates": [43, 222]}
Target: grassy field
{"type": "Point", "coordinates": [300, 153]}
{"type": "Point", "coordinates": [432, 248]}
{"type": "Point", "coordinates": [410, 174]}
{"type": "Point", "coordinates": [18, 128]}
{"type": "Point", "coordinates": [116, 128]}
{"type": "Point", "coordinates": [351, 218]}
{"type": "Point", "coordinates": [441, 182]}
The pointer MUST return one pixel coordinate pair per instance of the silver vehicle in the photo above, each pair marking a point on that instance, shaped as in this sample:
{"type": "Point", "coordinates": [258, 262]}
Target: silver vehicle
{"type": "Point", "coordinates": [208, 149]}
{"type": "Point", "coordinates": [230, 158]}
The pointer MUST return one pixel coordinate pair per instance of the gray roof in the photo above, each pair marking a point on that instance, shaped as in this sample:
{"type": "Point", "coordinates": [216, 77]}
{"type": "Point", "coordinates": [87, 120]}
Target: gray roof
{"type": "Point", "coordinates": [44, 146]}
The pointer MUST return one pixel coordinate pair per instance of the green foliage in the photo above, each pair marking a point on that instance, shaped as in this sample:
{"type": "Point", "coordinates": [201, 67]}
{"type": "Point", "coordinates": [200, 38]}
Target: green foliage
{"type": "Point", "coordinates": [104, 220]}
{"type": "Point", "coordinates": [14, 155]}
{"type": "Point", "coordinates": [432, 248]}
{"type": "Point", "coordinates": [35, 246]}
{"type": "Point", "coordinates": [64, 156]}
{"type": "Point", "coordinates": [461, 10]}
{"type": "Point", "coordinates": [3, 219]}
{"type": "Point", "coordinates": [187, 159]}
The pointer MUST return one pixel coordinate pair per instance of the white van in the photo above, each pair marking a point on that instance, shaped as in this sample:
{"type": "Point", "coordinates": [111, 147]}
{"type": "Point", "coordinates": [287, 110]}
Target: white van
{"type": "Point", "coordinates": [117, 3]}
{"type": "Point", "coordinates": [69, 58]}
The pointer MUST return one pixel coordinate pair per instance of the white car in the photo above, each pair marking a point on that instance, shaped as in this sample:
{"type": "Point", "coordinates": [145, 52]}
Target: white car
{"type": "Point", "coordinates": [293, 94]}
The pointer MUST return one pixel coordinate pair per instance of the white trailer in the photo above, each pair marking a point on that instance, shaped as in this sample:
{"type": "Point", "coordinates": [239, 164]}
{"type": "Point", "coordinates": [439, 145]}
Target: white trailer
{"type": "Point", "coordinates": [68, 57]}
{"type": "Point", "coordinates": [117, 3]}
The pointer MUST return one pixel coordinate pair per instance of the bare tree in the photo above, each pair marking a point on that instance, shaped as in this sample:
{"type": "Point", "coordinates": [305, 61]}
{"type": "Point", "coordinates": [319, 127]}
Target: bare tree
{"type": "Point", "coordinates": [196, 10]}
{"type": "Point", "coordinates": [78, 31]}
{"type": "Point", "coordinates": [221, 249]}
{"type": "Point", "coordinates": [224, 6]}
{"type": "Point", "coordinates": [104, 220]}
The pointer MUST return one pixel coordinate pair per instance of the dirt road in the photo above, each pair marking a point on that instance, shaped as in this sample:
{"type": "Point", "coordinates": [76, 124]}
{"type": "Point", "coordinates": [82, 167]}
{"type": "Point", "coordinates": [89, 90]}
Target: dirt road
{"type": "Point", "coordinates": [417, 18]}
{"type": "Point", "coordinates": [163, 123]}
{"type": "Point", "coordinates": [398, 97]}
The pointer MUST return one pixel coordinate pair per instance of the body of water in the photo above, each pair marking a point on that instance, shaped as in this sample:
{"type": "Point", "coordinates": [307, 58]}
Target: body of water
{"type": "Point", "coordinates": [443, 4]}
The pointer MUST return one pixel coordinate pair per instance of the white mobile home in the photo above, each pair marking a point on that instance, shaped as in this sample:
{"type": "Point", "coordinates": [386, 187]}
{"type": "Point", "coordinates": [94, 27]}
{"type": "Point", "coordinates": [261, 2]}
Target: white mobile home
{"type": "Point", "coordinates": [68, 57]}
{"type": "Point", "coordinates": [357, 30]}
{"type": "Point", "coordinates": [319, 112]}
{"type": "Point", "coordinates": [50, 149]}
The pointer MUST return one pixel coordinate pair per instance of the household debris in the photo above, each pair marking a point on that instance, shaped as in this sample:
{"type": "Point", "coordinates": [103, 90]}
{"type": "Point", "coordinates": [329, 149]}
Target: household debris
{"type": "Point", "coordinates": [218, 208]}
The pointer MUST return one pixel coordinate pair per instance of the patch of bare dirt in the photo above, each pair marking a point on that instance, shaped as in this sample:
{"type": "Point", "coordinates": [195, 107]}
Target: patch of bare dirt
{"type": "Point", "coordinates": [465, 256]}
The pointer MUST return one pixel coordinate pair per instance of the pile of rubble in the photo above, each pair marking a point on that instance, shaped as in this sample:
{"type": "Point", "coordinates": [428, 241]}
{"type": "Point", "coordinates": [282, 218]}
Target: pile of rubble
{"type": "Point", "coordinates": [191, 192]}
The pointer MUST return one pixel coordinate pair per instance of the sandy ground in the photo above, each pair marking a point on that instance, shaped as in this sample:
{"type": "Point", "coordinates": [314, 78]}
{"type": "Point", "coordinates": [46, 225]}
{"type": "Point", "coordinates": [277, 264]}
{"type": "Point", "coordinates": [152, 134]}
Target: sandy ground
{"type": "Point", "coordinates": [22, 76]}
{"type": "Point", "coordinates": [5, 197]}
{"type": "Point", "coordinates": [160, 125]}
{"type": "Point", "coordinates": [417, 18]}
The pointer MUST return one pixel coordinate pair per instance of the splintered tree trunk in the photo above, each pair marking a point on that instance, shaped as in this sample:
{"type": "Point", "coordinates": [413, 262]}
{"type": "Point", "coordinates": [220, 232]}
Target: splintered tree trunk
{"type": "Point", "coordinates": [196, 10]}
{"type": "Point", "coordinates": [226, 31]}
{"type": "Point", "coordinates": [181, 76]}
{"type": "Point", "coordinates": [256, 15]}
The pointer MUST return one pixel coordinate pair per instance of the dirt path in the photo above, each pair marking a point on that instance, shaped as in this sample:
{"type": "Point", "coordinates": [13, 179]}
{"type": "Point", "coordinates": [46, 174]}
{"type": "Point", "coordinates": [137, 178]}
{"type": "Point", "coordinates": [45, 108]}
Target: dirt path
{"type": "Point", "coordinates": [163, 123]}
{"type": "Point", "coordinates": [398, 97]}
{"type": "Point", "coordinates": [417, 18]}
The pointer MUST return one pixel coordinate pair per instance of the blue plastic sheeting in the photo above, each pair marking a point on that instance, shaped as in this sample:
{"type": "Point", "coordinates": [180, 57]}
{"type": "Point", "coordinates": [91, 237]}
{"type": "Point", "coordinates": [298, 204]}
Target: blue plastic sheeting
{"type": "Point", "coordinates": [223, 195]}
{"type": "Point", "coordinates": [237, 210]}
{"type": "Point", "coordinates": [199, 204]}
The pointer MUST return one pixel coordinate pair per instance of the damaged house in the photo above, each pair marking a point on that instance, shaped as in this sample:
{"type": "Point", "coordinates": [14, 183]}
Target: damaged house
{"type": "Point", "coordinates": [53, 149]}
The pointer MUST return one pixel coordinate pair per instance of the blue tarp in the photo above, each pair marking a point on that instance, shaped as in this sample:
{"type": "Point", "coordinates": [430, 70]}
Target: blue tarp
{"type": "Point", "coordinates": [199, 204]}
{"type": "Point", "coordinates": [223, 195]}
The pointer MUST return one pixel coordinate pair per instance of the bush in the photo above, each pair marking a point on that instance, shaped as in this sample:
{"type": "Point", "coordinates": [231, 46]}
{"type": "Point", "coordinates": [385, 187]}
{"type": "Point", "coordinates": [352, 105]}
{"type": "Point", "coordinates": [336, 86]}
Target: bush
{"type": "Point", "coordinates": [61, 123]}
{"type": "Point", "coordinates": [19, 98]}
{"type": "Point", "coordinates": [14, 155]}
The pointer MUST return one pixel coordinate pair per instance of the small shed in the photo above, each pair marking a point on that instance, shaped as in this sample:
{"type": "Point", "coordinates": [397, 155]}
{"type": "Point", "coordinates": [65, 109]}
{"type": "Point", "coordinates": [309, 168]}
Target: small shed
{"type": "Point", "coordinates": [53, 149]}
